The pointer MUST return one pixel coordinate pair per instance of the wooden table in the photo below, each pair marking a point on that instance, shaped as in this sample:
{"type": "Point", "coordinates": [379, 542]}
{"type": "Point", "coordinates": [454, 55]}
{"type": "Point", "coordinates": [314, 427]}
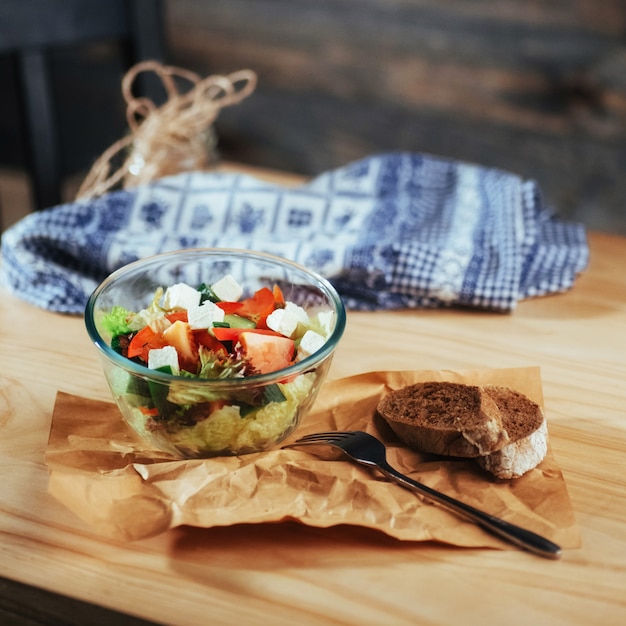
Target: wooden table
{"type": "Point", "coordinates": [285, 574]}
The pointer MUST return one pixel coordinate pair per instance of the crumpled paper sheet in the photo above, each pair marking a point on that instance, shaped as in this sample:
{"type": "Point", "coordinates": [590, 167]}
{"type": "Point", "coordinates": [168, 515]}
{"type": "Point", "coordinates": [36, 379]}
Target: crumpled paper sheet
{"type": "Point", "coordinates": [108, 477]}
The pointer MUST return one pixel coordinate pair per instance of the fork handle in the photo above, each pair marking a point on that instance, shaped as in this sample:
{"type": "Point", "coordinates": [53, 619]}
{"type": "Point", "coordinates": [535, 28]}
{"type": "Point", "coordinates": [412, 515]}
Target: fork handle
{"type": "Point", "coordinates": [515, 534]}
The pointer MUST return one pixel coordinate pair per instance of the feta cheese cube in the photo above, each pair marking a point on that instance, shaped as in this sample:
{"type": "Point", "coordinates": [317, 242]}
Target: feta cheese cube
{"type": "Point", "coordinates": [204, 315]}
{"type": "Point", "coordinates": [325, 320]}
{"type": "Point", "coordinates": [297, 311]}
{"type": "Point", "coordinates": [181, 296]}
{"type": "Point", "coordinates": [282, 321]}
{"type": "Point", "coordinates": [227, 289]}
{"type": "Point", "coordinates": [161, 357]}
{"type": "Point", "coordinates": [310, 343]}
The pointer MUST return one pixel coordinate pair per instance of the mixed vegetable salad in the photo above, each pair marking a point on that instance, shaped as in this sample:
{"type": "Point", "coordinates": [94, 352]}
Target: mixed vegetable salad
{"type": "Point", "coordinates": [212, 332]}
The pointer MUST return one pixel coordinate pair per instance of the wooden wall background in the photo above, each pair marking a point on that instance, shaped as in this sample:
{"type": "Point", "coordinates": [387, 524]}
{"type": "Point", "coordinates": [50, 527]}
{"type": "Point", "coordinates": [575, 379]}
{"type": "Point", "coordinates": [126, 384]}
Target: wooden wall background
{"type": "Point", "coordinates": [537, 87]}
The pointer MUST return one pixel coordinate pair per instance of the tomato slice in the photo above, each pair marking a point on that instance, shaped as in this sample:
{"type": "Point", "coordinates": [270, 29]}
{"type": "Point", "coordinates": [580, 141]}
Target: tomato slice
{"type": "Point", "coordinates": [144, 341]}
{"type": "Point", "coordinates": [204, 338]}
{"type": "Point", "coordinates": [266, 353]}
{"type": "Point", "coordinates": [258, 306]}
{"type": "Point", "coordinates": [229, 307]}
{"type": "Point", "coordinates": [177, 316]}
{"type": "Point", "coordinates": [233, 334]}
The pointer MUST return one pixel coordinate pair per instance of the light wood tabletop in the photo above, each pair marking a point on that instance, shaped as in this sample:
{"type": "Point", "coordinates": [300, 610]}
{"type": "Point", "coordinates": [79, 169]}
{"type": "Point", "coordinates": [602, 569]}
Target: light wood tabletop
{"type": "Point", "coordinates": [286, 573]}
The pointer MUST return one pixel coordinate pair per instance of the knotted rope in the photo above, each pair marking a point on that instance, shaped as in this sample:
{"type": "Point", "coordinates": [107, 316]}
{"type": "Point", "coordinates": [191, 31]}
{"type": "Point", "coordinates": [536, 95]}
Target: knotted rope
{"type": "Point", "coordinates": [174, 137]}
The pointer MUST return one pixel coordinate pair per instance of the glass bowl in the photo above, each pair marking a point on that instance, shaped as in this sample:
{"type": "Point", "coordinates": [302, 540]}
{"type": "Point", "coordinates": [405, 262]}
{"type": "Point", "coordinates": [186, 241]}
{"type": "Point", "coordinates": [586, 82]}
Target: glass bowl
{"type": "Point", "coordinates": [193, 417]}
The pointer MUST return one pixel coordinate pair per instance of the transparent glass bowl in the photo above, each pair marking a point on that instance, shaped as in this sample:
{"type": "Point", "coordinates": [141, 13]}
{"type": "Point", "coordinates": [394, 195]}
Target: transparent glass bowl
{"type": "Point", "coordinates": [205, 417]}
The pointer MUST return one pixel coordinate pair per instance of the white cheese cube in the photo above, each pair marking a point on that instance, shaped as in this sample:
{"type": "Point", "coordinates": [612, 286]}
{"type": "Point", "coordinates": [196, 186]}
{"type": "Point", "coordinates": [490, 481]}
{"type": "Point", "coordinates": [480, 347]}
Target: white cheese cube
{"type": "Point", "coordinates": [227, 289]}
{"type": "Point", "coordinates": [203, 316]}
{"type": "Point", "coordinates": [181, 296]}
{"type": "Point", "coordinates": [310, 343]}
{"type": "Point", "coordinates": [297, 311]}
{"type": "Point", "coordinates": [162, 357]}
{"type": "Point", "coordinates": [282, 321]}
{"type": "Point", "coordinates": [325, 320]}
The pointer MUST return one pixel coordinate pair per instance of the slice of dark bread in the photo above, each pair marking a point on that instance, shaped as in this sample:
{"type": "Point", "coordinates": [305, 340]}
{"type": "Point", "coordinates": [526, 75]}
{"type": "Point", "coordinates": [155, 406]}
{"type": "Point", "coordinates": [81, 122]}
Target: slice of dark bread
{"type": "Point", "coordinates": [501, 428]}
{"type": "Point", "coordinates": [445, 418]}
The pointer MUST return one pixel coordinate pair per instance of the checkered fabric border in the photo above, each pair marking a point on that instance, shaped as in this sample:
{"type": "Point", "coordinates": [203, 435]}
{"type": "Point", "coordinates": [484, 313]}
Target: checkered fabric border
{"type": "Point", "coordinates": [398, 230]}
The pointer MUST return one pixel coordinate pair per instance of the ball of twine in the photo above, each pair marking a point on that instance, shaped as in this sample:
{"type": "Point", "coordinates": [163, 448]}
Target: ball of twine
{"type": "Point", "coordinates": [174, 137]}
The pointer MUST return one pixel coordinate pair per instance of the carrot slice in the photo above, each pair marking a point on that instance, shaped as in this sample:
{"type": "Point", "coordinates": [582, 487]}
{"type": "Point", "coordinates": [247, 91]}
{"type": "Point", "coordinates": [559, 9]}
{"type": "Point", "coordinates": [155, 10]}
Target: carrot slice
{"type": "Point", "coordinates": [279, 297]}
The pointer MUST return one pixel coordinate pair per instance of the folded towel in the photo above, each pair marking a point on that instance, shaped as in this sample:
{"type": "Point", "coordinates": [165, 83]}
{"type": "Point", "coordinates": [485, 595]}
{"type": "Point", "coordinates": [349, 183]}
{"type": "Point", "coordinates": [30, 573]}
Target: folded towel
{"type": "Point", "coordinates": [397, 230]}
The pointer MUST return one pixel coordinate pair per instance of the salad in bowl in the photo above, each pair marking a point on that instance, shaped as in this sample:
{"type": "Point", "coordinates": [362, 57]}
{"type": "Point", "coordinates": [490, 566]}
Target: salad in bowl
{"type": "Point", "coordinates": [214, 351]}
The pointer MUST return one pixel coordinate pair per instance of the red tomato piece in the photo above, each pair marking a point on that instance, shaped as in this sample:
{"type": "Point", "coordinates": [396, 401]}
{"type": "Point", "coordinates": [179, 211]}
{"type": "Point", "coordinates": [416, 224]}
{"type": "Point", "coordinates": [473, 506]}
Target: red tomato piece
{"type": "Point", "coordinates": [258, 306]}
{"type": "Point", "coordinates": [204, 338]}
{"type": "Point", "coordinates": [144, 341]}
{"type": "Point", "coordinates": [177, 316]}
{"type": "Point", "coordinates": [229, 307]}
{"type": "Point", "coordinates": [233, 334]}
{"type": "Point", "coordinates": [267, 353]}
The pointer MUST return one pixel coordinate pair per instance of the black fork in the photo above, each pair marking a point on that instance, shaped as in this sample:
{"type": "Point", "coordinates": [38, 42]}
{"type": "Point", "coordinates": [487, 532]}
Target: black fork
{"type": "Point", "coordinates": [370, 451]}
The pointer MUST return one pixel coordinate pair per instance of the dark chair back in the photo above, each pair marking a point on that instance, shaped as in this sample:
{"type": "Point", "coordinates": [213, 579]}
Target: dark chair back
{"type": "Point", "coordinates": [30, 30]}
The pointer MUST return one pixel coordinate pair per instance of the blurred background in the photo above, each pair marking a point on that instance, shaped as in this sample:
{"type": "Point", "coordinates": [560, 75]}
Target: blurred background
{"type": "Point", "coordinates": [535, 87]}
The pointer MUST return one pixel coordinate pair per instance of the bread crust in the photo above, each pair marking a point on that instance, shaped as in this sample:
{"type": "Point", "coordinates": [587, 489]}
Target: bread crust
{"type": "Point", "coordinates": [518, 457]}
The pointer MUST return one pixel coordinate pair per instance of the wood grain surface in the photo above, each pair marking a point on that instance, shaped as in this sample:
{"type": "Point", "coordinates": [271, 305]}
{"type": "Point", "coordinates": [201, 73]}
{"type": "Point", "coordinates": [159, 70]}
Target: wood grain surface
{"type": "Point", "coordinates": [288, 574]}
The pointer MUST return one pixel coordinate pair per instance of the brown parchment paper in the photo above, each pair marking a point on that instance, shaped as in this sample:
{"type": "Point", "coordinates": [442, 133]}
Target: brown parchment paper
{"type": "Point", "coordinates": [108, 477]}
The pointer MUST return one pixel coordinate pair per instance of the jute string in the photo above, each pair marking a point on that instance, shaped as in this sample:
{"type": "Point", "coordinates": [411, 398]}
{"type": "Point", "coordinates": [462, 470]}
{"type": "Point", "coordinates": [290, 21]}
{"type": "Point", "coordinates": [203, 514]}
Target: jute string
{"type": "Point", "coordinates": [170, 138]}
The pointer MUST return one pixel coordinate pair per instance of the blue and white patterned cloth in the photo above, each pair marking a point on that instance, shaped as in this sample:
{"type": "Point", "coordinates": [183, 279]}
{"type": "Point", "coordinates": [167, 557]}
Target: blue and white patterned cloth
{"type": "Point", "coordinates": [395, 230]}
